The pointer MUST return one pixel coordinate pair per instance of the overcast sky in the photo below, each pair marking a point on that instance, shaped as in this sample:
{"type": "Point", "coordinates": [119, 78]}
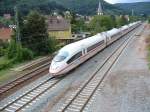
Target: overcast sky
{"type": "Point", "coordinates": [125, 1]}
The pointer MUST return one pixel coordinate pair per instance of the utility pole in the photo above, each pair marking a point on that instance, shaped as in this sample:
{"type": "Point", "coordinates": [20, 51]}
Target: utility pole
{"type": "Point", "coordinates": [18, 39]}
{"type": "Point", "coordinates": [132, 12]}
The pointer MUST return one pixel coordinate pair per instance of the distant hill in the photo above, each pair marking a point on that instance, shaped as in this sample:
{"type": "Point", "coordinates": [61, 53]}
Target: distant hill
{"type": "Point", "coordinates": [139, 7]}
{"type": "Point", "coordinates": [87, 7]}
{"type": "Point", "coordinates": [43, 6]}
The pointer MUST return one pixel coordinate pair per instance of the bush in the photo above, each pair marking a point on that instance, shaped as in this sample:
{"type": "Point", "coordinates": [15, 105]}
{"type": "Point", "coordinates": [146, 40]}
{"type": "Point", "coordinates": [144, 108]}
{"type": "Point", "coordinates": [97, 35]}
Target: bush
{"type": "Point", "coordinates": [17, 53]}
{"type": "Point", "coordinates": [11, 51]}
{"type": "Point", "coordinates": [5, 64]}
{"type": "Point", "coordinates": [23, 54]}
{"type": "Point", "coordinates": [27, 54]}
{"type": "Point", "coordinates": [101, 23]}
{"type": "Point", "coordinates": [149, 19]}
{"type": "Point", "coordinates": [2, 51]}
{"type": "Point", "coordinates": [52, 44]}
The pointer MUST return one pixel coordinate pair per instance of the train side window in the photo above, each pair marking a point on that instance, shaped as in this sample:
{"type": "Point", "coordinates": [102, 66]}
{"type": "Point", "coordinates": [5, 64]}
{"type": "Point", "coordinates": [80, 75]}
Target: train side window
{"type": "Point", "coordinates": [95, 45]}
{"type": "Point", "coordinates": [76, 56]}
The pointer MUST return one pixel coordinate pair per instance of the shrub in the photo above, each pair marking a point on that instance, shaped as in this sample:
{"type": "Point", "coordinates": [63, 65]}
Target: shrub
{"type": "Point", "coordinates": [23, 54]}
{"type": "Point", "coordinates": [5, 64]}
{"type": "Point", "coordinates": [27, 54]}
{"type": "Point", "coordinates": [52, 44]}
{"type": "Point", "coordinates": [2, 51]}
{"type": "Point", "coordinates": [11, 51]}
{"type": "Point", "coordinates": [149, 19]}
{"type": "Point", "coordinates": [17, 53]}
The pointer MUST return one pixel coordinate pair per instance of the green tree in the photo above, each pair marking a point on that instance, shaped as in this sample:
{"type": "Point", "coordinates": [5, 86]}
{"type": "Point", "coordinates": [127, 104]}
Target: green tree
{"type": "Point", "coordinates": [6, 22]}
{"type": "Point", "coordinates": [34, 33]}
{"type": "Point", "coordinates": [121, 21]}
{"type": "Point", "coordinates": [101, 23]}
{"type": "Point", "coordinates": [78, 26]}
{"type": "Point", "coordinates": [149, 19]}
{"type": "Point", "coordinates": [12, 49]}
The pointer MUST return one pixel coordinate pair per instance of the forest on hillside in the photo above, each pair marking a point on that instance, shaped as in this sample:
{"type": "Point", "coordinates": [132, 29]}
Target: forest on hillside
{"type": "Point", "coordinates": [85, 7]}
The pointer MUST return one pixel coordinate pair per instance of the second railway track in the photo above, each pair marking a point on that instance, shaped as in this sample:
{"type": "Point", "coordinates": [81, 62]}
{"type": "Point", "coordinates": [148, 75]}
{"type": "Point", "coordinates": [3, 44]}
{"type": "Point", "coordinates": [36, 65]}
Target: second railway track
{"type": "Point", "coordinates": [22, 102]}
{"type": "Point", "coordinates": [29, 75]}
{"type": "Point", "coordinates": [80, 98]}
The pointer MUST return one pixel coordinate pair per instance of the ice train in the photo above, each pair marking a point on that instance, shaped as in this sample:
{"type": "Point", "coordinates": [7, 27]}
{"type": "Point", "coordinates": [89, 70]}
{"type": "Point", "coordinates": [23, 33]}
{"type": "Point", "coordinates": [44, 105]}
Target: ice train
{"type": "Point", "coordinates": [72, 55]}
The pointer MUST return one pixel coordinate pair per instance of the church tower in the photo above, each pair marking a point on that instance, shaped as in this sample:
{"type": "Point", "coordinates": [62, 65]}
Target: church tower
{"type": "Point", "coordinates": [99, 11]}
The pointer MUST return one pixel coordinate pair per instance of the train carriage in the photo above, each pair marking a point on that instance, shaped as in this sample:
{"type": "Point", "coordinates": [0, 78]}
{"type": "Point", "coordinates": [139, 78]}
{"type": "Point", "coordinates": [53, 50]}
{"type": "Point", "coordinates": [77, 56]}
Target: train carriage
{"type": "Point", "coordinates": [72, 55]}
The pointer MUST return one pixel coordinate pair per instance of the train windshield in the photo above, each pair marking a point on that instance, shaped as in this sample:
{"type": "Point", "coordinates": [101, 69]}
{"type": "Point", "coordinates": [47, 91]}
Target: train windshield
{"type": "Point", "coordinates": [61, 56]}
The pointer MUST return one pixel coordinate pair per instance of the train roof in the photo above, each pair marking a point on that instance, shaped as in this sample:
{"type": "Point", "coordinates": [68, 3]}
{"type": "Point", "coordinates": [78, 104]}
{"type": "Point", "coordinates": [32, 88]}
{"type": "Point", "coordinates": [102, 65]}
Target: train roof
{"type": "Point", "coordinates": [85, 43]}
{"type": "Point", "coordinates": [79, 45]}
{"type": "Point", "coordinates": [112, 31]}
{"type": "Point", "coordinates": [124, 27]}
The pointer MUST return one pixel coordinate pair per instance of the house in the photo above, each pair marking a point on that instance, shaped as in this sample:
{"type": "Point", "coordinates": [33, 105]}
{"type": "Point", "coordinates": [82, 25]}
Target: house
{"type": "Point", "coordinates": [7, 16]}
{"type": "Point", "coordinates": [59, 28]}
{"type": "Point", "coordinates": [5, 33]}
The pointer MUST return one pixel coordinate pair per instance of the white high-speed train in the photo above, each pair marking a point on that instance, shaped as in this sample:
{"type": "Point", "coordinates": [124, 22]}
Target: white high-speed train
{"type": "Point", "coordinates": [72, 55]}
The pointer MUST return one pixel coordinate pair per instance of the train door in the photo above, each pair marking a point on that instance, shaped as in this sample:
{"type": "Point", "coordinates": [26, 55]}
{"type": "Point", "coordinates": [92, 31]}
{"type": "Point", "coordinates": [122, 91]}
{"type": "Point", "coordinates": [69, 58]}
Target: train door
{"type": "Point", "coordinates": [84, 51]}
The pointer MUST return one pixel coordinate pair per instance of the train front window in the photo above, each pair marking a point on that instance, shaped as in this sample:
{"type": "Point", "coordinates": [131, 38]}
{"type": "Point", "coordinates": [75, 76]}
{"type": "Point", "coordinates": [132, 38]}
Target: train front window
{"type": "Point", "coordinates": [61, 56]}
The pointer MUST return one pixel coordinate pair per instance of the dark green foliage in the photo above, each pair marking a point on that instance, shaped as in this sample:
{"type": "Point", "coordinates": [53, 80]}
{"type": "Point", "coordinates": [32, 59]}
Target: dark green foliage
{"type": "Point", "coordinates": [134, 18]}
{"type": "Point", "coordinates": [88, 7]}
{"type": "Point", "coordinates": [2, 51]}
{"type": "Point", "coordinates": [52, 44]}
{"type": "Point", "coordinates": [6, 22]}
{"type": "Point", "coordinates": [12, 50]}
{"type": "Point", "coordinates": [23, 54]}
{"type": "Point", "coordinates": [43, 6]}
{"type": "Point", "coordinates": [34, 33]}
{"type": "Point", "coordinates": [149, 19]}
{"type": "Point", "coordinates": [121, 21]}
{"type": "Point", "coordinates": [85, 7]}
{"type": "Point", "coordinates": [78, 26]}
{"type": "Point", "coordinates": [5, 64]}
{"type": "Point", "coordinates": [16, 53]}
{"type": "Point", "coordinates": [3, 47]}
{"type": "Point", "coordinates": [139, 7]}
{"type": "Point", "coordinates": [101, 23]}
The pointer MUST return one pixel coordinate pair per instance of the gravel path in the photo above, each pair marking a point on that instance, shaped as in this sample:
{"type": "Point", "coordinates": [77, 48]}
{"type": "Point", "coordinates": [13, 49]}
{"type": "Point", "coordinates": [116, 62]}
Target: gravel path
{"type": "Point", "coordinates": [127, 87]}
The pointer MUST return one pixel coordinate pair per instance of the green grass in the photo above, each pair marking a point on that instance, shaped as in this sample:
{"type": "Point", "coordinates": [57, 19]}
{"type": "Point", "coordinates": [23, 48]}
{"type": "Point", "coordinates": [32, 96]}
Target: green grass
{"type": "Point", "coordinates": [4, 72]}
{"type": "Point", "coordinates": [8, 74]}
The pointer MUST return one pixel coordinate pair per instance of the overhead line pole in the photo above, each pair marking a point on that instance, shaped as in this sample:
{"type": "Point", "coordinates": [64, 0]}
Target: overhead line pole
{"type": "Point", "coordinates": [18, 39]}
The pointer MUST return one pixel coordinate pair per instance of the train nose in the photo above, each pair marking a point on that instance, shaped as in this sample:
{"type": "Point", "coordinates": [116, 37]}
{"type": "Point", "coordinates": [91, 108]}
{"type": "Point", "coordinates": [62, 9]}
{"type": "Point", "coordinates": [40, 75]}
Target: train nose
{"type": "Point", "coordinates": [53, 69]}
{"type": "Point", "coordinates": [56, 68]}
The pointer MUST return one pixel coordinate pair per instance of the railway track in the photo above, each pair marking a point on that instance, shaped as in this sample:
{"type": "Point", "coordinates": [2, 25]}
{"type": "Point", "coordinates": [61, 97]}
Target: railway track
{"type": "Point", "coordinates": [34, 73]}
{"type": "Point", "coordinates": [80, 98]}
{"type": "Point", "coordinates": [31, 96]}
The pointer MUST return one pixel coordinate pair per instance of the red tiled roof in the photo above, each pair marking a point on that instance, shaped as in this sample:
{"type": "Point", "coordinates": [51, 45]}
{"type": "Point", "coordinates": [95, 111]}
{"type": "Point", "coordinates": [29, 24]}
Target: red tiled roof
{"type": "Point", "coordinates": [5, 33]}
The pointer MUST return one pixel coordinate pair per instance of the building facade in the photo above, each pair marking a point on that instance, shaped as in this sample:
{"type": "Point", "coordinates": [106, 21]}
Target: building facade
{"type": "Point", "coordinates": [59, 28]}
{"type": "Point", "coordinates": [5, 33]}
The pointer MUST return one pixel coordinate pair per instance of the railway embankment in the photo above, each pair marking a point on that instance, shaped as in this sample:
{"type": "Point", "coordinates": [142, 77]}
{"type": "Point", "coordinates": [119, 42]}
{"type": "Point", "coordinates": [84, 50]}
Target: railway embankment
{"type": "Point", "coordinates": [147, 40]}
{"type": "Point", "coordinates": [126, 89]}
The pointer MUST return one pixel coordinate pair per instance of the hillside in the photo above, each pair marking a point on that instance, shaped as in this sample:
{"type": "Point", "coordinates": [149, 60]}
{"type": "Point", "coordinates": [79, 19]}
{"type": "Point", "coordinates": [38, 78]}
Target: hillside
{"type": "Point", "coordinates": [139, 7]}
{"type": "Point", "coordinates": [87, 7]}
{"type": "Point", "coordinates": [43, 6]}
